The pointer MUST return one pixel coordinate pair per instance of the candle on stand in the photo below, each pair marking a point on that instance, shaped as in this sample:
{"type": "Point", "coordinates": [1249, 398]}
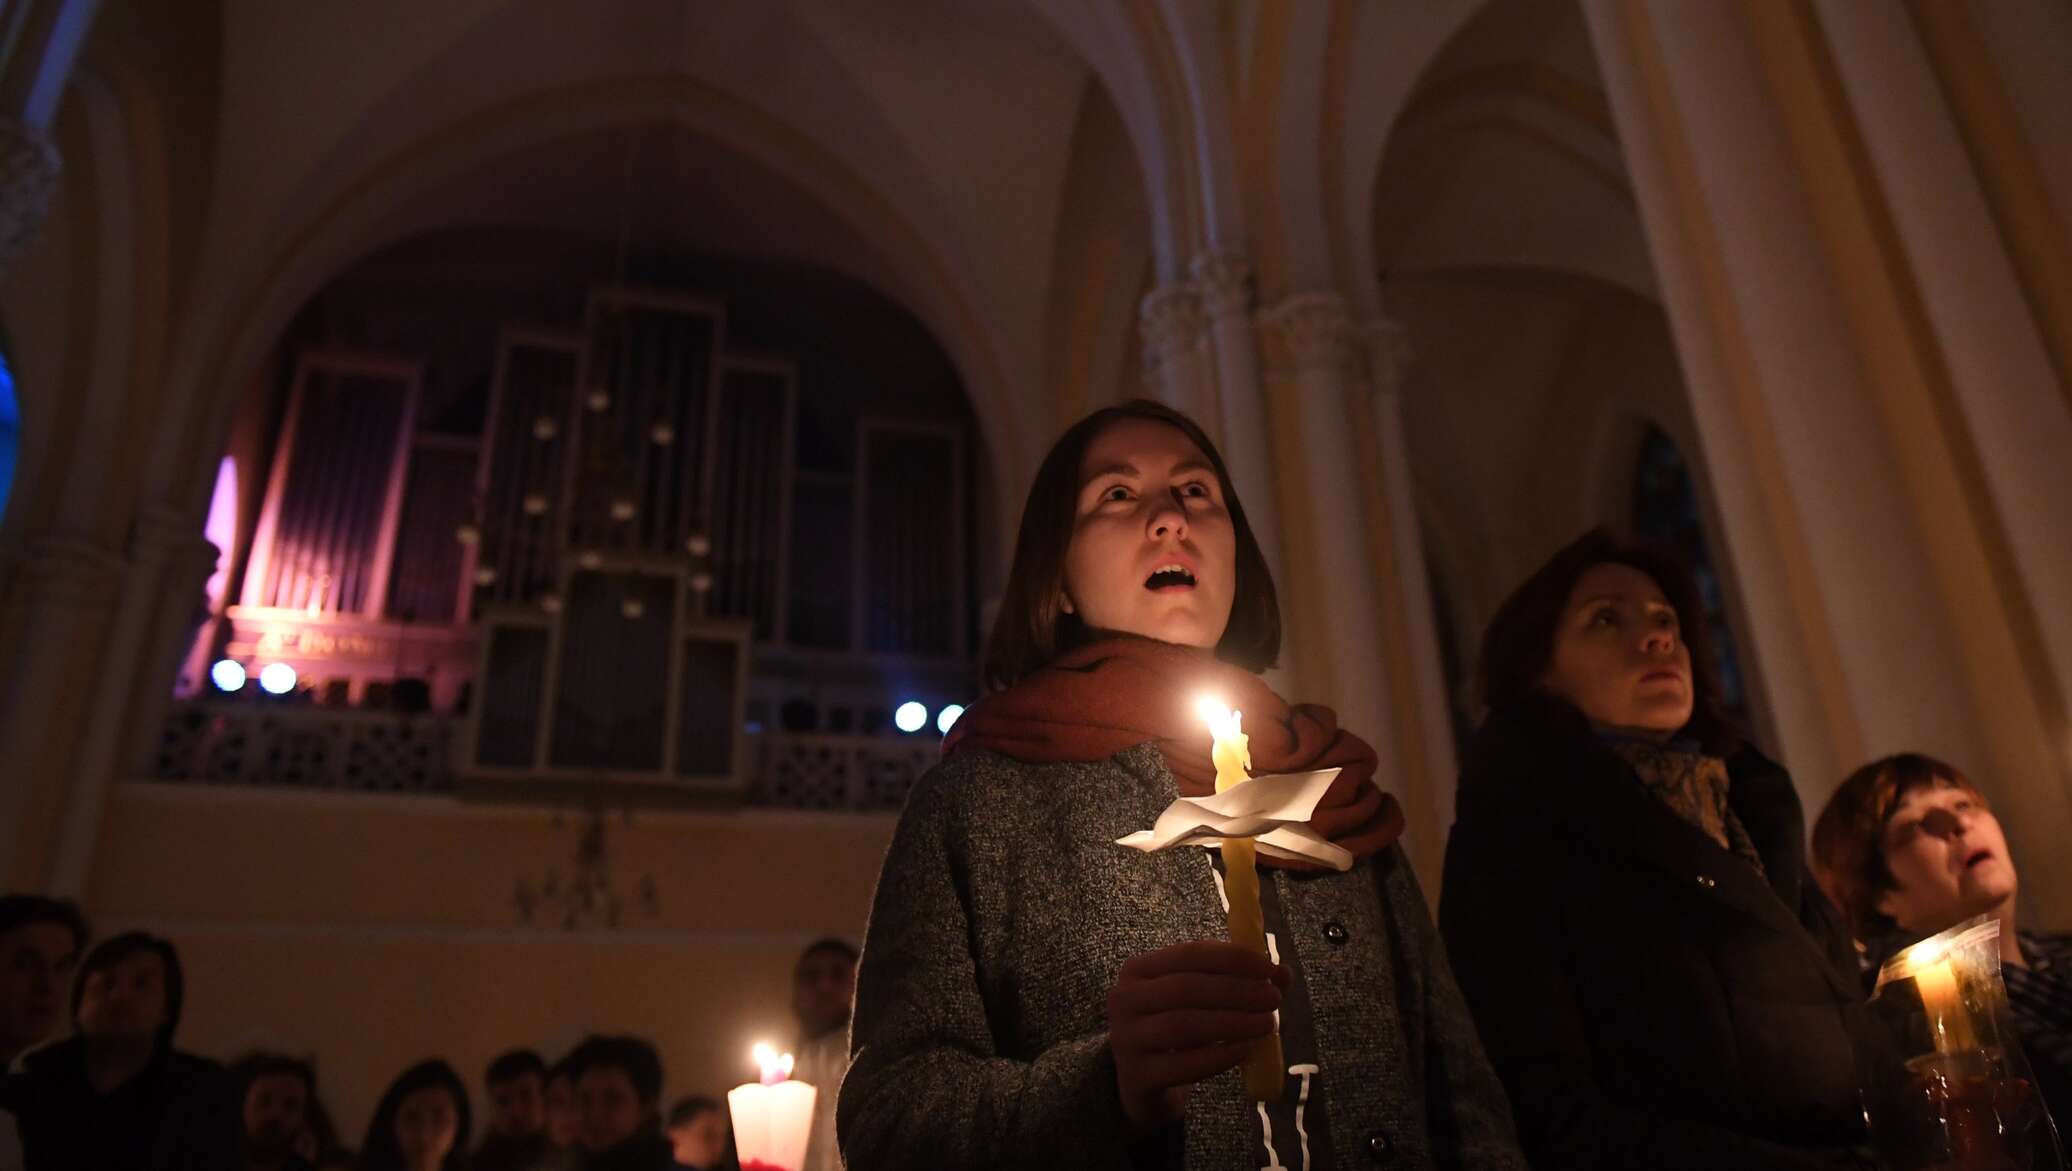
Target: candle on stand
{"type": "Point", "coordinates": [773, 1117]}
{"type": "Point", "coordinates": [1265, 1072]}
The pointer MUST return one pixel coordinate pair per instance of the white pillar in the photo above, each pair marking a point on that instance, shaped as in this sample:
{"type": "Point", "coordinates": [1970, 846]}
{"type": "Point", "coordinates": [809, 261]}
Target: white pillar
{"type": "Point", "coordinates": [1330, 597]}
{"type": "Point", "coordinates": [1884, 612]}
{"type": "Point", "coordinates": [1224, 282]}
{"type": "Point", "coordinates": [169, 565]}
{"type": "Point", "coordinates": [1388, 364]}
{"type": "Point", "coordinates": [66, 591]}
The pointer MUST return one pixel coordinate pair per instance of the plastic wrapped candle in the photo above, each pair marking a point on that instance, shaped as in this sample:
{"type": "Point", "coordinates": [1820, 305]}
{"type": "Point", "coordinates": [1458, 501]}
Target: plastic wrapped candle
{"type": "Point", "coordinates": [1948, 1019]}
{"type": "Point", "coordinates": [1265, 1071]}
{"type": "Point", "coordinates": [773, 1117]}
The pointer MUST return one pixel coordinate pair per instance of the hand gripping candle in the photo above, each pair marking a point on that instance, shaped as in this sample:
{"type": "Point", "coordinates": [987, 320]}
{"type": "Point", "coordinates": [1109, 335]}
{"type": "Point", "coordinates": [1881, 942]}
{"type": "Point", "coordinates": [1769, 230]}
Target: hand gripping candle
{"type": "Point", "coordinates": [773, 1118]}
{"type": "Point", "coordinates": [1265, 1071]}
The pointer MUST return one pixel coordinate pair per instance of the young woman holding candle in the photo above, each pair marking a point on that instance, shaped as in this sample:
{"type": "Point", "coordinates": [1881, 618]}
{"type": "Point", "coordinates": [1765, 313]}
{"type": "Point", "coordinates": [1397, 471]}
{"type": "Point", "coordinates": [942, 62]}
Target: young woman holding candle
{"type": "Point", "coordinates": [1657, 978]}
{"type": "Point", "coordinates": [1033, 995]}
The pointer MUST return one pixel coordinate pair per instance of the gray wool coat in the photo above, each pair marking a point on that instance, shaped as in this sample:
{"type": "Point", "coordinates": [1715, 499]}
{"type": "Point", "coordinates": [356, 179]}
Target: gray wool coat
{"type": "Point", "coordinates": [1005, 912]}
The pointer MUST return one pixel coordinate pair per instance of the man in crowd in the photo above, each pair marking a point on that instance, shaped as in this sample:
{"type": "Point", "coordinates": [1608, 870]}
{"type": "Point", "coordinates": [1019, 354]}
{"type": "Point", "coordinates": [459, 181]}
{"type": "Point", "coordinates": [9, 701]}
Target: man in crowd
{"type": "Point", "coordinates": [40, 942]}
{"type": "Point", "coordinates": [517, 1132]}
{"type": "Point", "coordinates": [117, 1094]}
{"type": "Point", "coordinates": [559, 1098]}
{"type": "Point", "coordinates": [823, 989]}
{"type": "Point", "coordinates": [619, 1103]}
{"type": "Point", "coordinates": [278, 1094]}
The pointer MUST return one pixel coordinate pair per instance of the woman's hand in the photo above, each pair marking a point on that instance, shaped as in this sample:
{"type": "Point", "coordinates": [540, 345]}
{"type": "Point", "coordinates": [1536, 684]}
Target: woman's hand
{"type": "Point", "coordinates": [1184, 1013]}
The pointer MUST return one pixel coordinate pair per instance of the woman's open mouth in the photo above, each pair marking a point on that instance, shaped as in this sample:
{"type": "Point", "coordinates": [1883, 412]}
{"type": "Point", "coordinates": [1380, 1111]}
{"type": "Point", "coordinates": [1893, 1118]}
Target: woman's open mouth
{"type": "Point", "coordinates": [1170, 576]}
{"type": "Point", "coordinates": [1976, 857]}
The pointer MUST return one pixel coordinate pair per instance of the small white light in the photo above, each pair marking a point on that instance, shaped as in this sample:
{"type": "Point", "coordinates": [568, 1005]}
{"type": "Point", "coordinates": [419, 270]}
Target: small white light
{"type": "Point", "coordinates": [277, 678]}
{"type": "Point", "coordinates": [598, 401]}
{"type": "Point", "coordinates": [632, 608]}
{"type": "Point", "coordinates": [228, 675]}
{"type": "Point", "coordinates": [662, 433]}
{"type": "Point", "coordinates": [701, 581]}
{"type": "Point", "coordinates": [589, 559]}
{"type": "Point", "coordinates": [698, 544]}
{"type": "Point", "coordinates": [912, 716]}
{"type": "Point", "coordinates": [485, 575]}
{"type": "Point", "coordinates": [551, 603]}
{"type": "Point", "coordinates": [535, 504]}
{"type": "Point", "coordinates": [545, 428]}
{"type": "Point", "coordinates": [622, 509]}
{"type": "Point", "coordinates": [467, 534]}
{"type": "Point", "coordinates": [947, 718]}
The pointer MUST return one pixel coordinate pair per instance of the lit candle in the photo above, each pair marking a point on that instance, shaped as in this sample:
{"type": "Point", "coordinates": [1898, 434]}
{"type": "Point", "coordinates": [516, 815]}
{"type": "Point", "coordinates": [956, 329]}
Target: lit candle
{"type": "Point", "coordinates": [773, 1118]}
{"type": "Point", "coordinates": [1265, 1071]}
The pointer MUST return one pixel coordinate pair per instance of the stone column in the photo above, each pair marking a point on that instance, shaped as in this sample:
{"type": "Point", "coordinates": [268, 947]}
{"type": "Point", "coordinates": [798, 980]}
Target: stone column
{"type": "Point", "coordinates": [169, 563]}
{"type": "Point", "coordinates": [1332, 599]}
{"type": "Point", "coordinates": [1176, 361]}
{"type": "Point", "coordinates": [1244, 431]}
{"type": "Point", "coordinates": [61, 601]}
{"type": "Point", "coordinates": [1887, 611]}
{"type": "Point", "coordinates": [29, 174]}
{"type": "Point", "coordinates": [1388, 365]}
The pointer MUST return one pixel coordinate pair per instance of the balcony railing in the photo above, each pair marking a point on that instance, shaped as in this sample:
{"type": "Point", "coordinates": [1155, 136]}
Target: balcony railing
{"type": "Point", "coordinates": [216, 742]}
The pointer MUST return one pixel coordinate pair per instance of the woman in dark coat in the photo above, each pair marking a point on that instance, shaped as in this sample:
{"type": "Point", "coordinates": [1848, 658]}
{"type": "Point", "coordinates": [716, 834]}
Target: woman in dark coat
{"type": "Point", "coordinates": [1034, 995]}
{"type": "Point", "coordinates": [1656, 977]}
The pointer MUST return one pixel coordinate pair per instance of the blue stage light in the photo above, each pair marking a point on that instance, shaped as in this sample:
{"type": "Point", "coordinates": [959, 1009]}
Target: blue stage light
{"type": "Point", "coordinates": [228, 675]}
{"type": "Point", "coordinates": [912, 716]}
{"type": "Point", "coordinates": [947, 718]}
{"type": "Point", "coordinates": [277, 678]}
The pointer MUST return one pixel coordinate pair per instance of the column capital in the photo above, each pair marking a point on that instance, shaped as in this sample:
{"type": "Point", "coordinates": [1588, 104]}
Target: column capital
{"type": "Point", "coordinates": [67, 573]}
{"type": "Point", "coordinates": [1173, 323]}
{"type": "Point", "coordinates": [1388, 355]}
{"type": "Point", "coordinates": [1312, 332]}
{"type": "Point", "coordinates": [29, 172]}
{"type": "Point", "coordinates": [1225, 282]}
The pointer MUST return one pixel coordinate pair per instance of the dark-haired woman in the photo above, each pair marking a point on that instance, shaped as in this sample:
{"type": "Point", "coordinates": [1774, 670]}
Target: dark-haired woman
{"type": "Point", "coordinates": [421, 1122]}
{"type": "Point", "coordinates": [1031, 994]}
{"type": "Point", "coordinates": [1656, 977]}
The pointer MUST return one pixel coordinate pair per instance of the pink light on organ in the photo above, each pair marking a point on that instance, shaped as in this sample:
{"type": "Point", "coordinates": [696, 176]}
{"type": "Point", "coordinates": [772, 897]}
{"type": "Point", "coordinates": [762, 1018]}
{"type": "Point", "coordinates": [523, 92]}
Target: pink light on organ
{"type": "Point", "coordinates": [773, 1117]}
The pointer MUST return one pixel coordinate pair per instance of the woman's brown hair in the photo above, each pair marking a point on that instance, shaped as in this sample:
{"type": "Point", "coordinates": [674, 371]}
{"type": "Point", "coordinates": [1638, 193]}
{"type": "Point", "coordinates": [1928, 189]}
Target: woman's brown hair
{"type": "Point", "coordinates": [1033, 628]}
{"type": "Point", "coordinates": [1849, 835]}
{"type": "Point", "coordinates": [1519, 645]}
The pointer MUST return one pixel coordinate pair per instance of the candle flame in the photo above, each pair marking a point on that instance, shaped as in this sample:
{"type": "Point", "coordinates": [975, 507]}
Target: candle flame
{"type": "Point", "coordinates": [1224, 724]}
{"type": "Point", "coordinates": [776, 1067]}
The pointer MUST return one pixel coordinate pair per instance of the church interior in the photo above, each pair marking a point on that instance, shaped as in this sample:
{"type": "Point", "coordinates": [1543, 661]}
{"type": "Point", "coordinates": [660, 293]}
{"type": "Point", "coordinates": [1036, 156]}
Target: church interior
{"type": "Point", "coordinates": [501, 499]}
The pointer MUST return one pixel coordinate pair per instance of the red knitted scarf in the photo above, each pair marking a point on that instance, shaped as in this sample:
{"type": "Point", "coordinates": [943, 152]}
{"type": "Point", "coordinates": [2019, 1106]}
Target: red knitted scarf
{"type": "Point", "coordinates": [1091, 703]}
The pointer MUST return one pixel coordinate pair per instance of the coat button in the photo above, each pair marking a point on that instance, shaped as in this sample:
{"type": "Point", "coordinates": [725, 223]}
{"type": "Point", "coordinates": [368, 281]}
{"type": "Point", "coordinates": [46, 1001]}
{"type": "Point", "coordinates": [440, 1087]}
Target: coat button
{"type": "Point", "coordinates": [1707, 881]}
{"type": "Point", "coordinates": [1336, 932]}
{"type": "Point", "coordinates": [1379, 1148]}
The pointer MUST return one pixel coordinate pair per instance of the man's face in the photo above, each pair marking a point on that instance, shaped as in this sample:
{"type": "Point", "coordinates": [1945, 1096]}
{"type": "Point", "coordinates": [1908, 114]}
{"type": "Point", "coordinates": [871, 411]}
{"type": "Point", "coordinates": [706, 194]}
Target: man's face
{"type": "Point", "coordinates": [518, 1106]}
{"type": "Point", "coordinates": [822, 988]}
{"type": "Point", "coordinates": [276, 1110]}
{"type": "Point", "coordinates": [125, 1000]}
{"type": "Point", "coordinates": [36, 962]}
{"type": "Point", "coordinates": [562, 1119]}
{"type": "Point", "coordinates": [610, 1110]}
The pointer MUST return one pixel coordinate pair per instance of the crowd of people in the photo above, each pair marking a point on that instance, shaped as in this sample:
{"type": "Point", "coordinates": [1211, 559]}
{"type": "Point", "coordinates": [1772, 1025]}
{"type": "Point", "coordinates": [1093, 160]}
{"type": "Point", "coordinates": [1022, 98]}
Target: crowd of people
{"type": "Point", "coordinates": [117, 1094]}
{"type": "Point", "coordinates": [1636, 964]}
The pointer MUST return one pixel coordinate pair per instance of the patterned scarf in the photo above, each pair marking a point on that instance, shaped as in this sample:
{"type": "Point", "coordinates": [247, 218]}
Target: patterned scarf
{"type": "Point", "coordinates": [1090, 703]}
{"type": "Point", "coordinates": [1691, 784]}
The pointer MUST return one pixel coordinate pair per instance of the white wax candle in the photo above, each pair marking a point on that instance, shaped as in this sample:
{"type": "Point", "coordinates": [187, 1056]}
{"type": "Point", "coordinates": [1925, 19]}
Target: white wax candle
{"type": "Point", "coordinates": [772, 1124]}
{"type": "Point", "coordinates": [773, 1119]}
